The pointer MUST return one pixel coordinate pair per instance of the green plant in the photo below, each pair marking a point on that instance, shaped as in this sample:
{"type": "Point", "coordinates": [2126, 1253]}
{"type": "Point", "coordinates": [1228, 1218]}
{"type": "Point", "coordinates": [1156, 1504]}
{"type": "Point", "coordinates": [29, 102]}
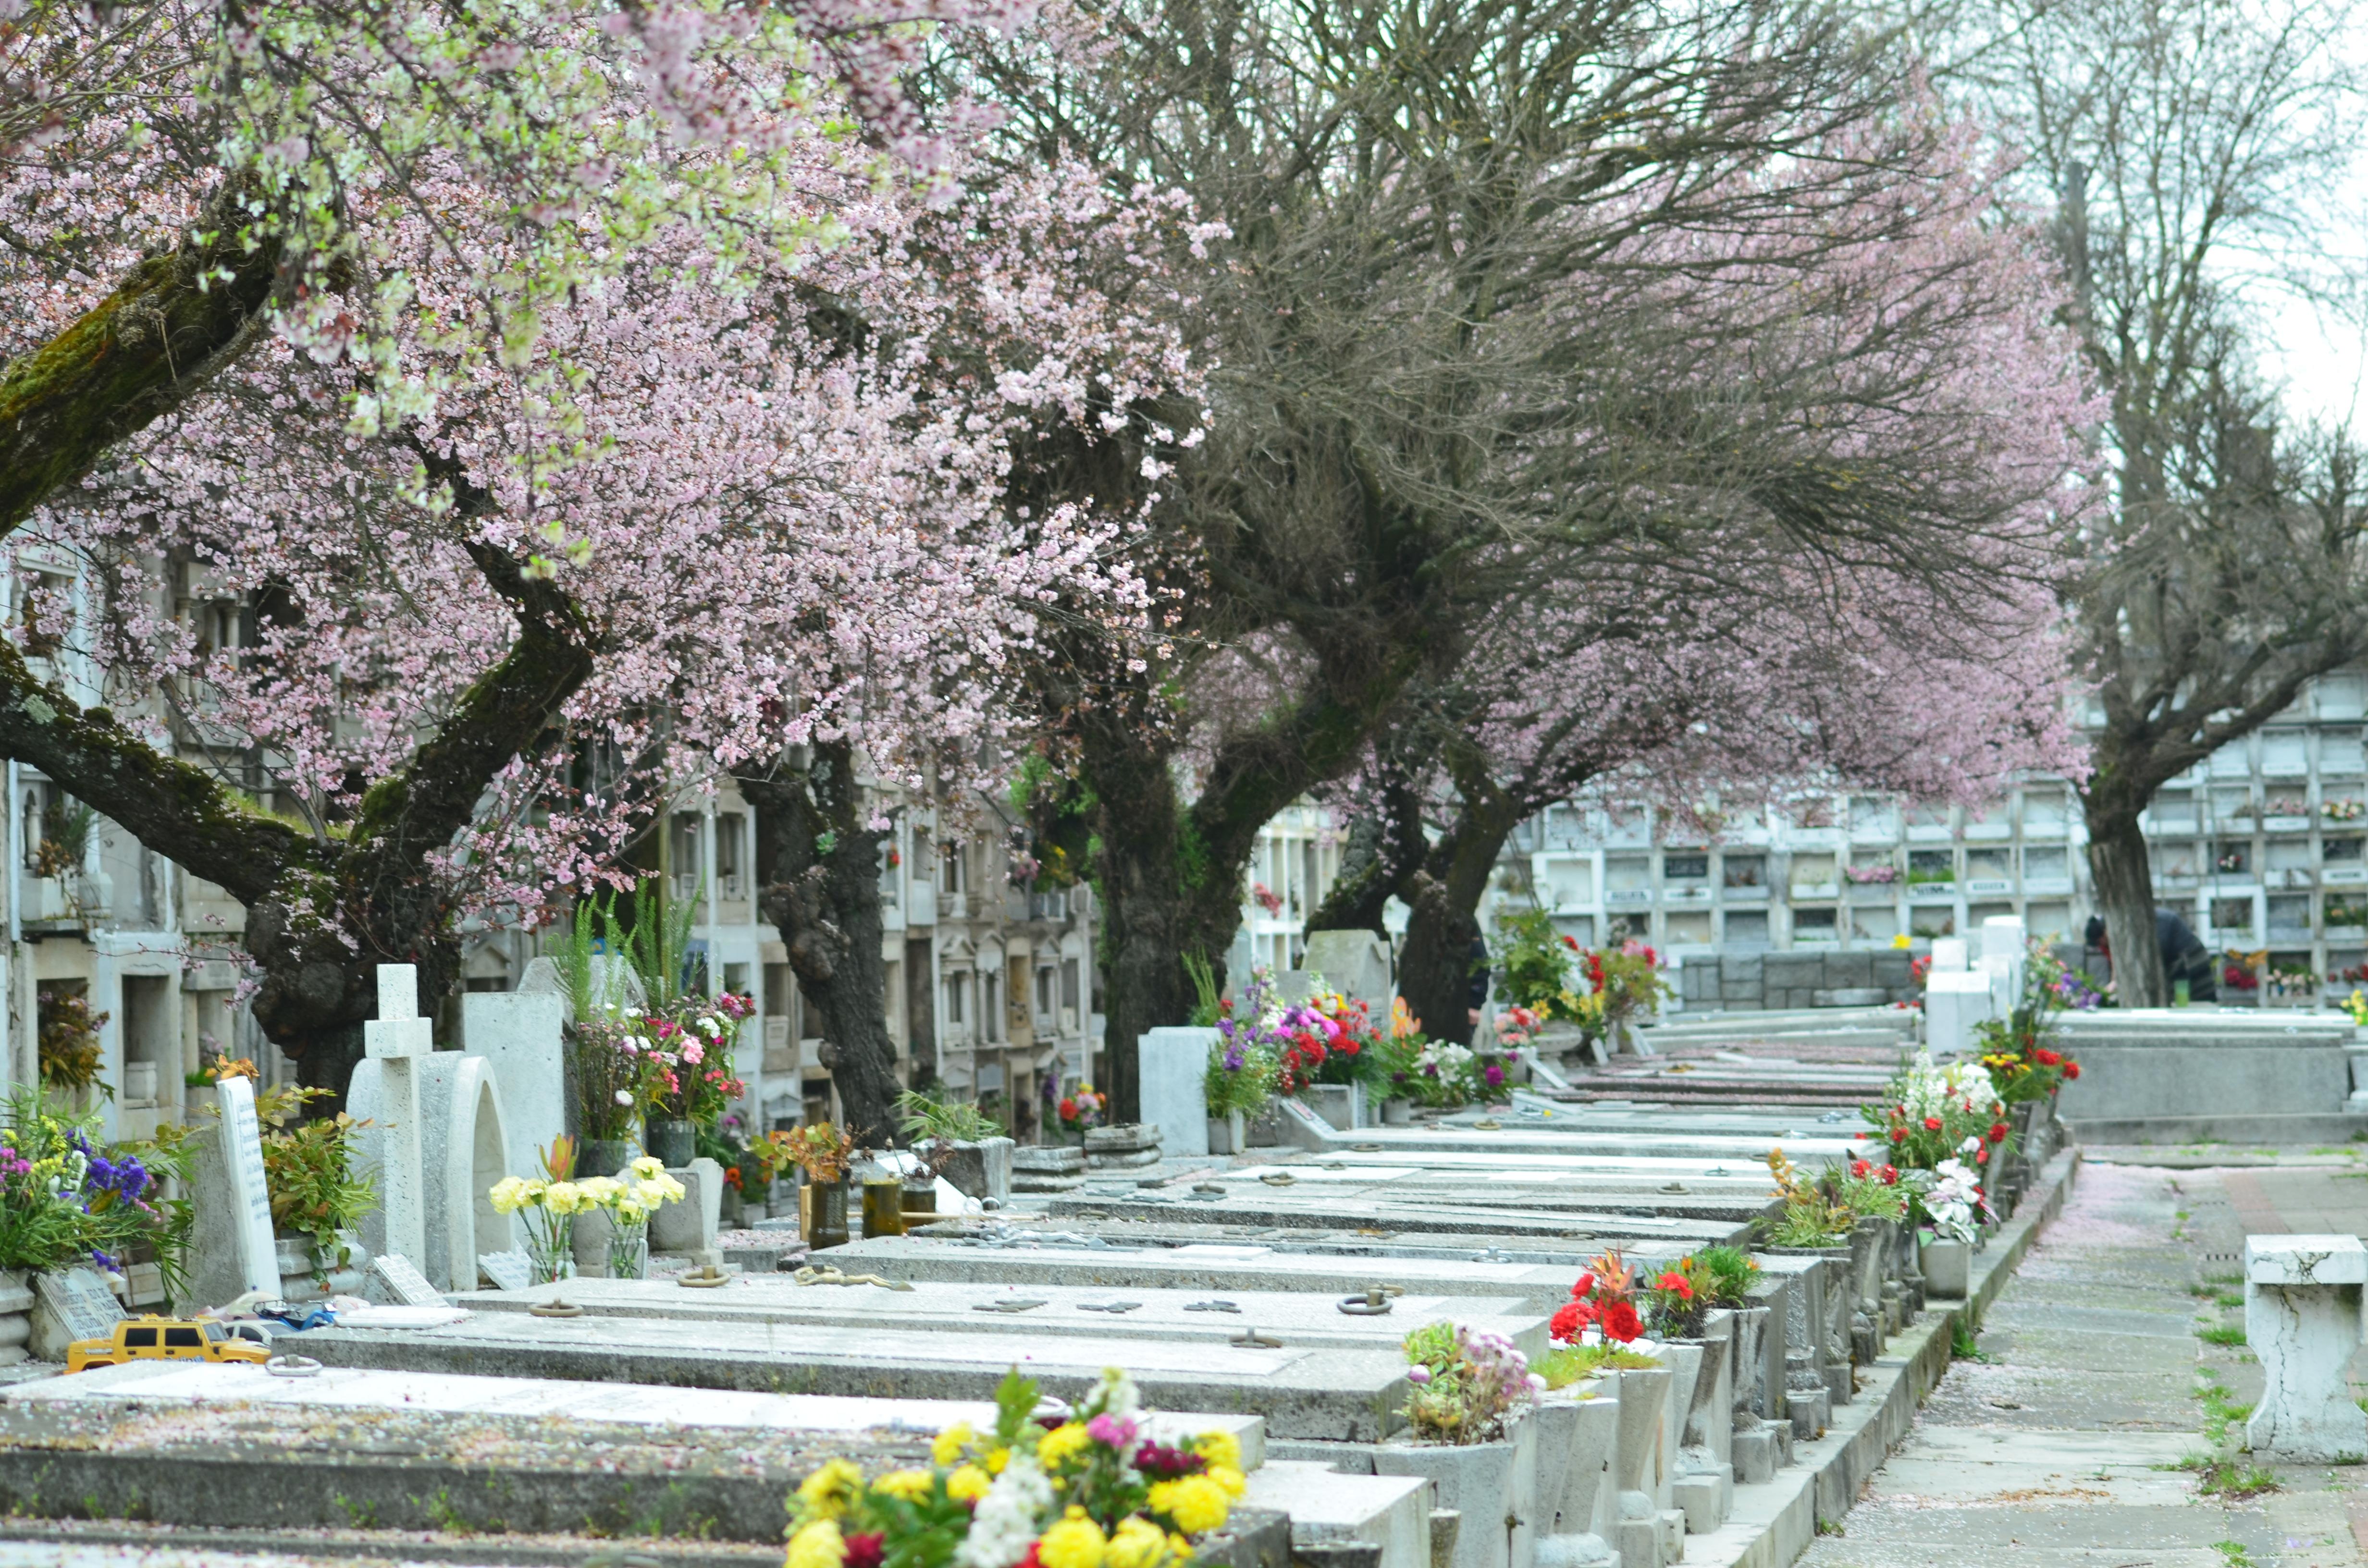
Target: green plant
{"type": "Point", "coordinates": [307, 1167]}
{"type": "Point", "coordinates": [1532, 962]}
{"type": "Point", "coordinates": [2221, 1334]}
{"type": "Point", "coordinates": [69, 1049]}
{"type": "Point", "coordinates": [65, 843]}
{"type": "Point", "coordinates": [67, 1198]}
{"type": "Point", "coordinates": [957, 1122]}
{"type": "Point", "coordinates": [1207, 1006]}
{"type": "Point", "coordinates": [1723, 1274]}
{"type": "Point", "coordinates": [1571, 1364]}
{"type": "Point", "coordinates": [1240, 1076]}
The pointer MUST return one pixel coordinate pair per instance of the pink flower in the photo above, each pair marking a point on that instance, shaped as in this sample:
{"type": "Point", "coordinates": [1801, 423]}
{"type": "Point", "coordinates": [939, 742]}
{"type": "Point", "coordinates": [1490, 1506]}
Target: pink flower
{"type": "Point", "coordinates": [1111, 1431]}
{"type": "Point", "coordinates": [693, 1053]}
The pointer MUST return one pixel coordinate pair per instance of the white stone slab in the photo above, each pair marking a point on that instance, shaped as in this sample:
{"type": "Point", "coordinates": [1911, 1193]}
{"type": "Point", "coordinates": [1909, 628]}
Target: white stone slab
{"type": "Point", "coordinates": [71, 1305]}
{"type": "Point", "coordinates": [1953, 1004]}
{"type": "Point", "coordinates": [1950, 955]}
{"type": "Point", "coordinates": [2305, 1260]}
{"type": "Point", "coordinates": [1171, 1069]}
{"type": "Point", "coordinates": [640, 1404]}
{"type": "Point", "coordinates": [249, 1195]}
{"type": "Point", "coordinates": [1392, 1512]}
{"type": "Point", "coordinates": [518, 1034]}
{"type": "Point", "coordinates": [401, 1281]}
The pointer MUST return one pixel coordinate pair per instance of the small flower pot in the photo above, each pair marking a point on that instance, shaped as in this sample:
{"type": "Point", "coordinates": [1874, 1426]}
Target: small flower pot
{"type": "Point", "coordinates": [1229, 1134]}
{"type": "Point", "coordinates": [674, 1141]}
{"type": "Point", "coordinates": [883, 1207]}
{"type": "Point", "coordinates": [1947, 1269]}
{"type": "Point", "coordinates": [920, 1203]}
{"type": "Point", "coordinates": [822, 1214]}
{"type": "Point", "coordinates": [1398, 1112]}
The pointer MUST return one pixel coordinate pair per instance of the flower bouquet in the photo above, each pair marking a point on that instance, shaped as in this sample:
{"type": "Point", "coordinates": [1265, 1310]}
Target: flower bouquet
{"type": "Point", "coordinates": [547, 1206]}
{"type": "Point", "coordinates": [630, 1197]}
{"type": "Point", "coordinates": [1465, 1386]}
{"type": "Point", "coordinates": [1081, 1110]}
{"type": "Point", "coordinates": [1602, 1305]}
{"type": "Point", "coordinates": [1089, 1493]}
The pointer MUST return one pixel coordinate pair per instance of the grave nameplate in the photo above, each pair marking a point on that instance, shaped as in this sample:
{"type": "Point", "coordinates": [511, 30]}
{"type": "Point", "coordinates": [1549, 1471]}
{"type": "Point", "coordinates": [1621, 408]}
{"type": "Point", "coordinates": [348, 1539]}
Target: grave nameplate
{"type": "Point", "coordinates": [508, 1270]}
{"type": "Point", "coordinates": [395, 1274]}
{"type": "Point", "coordinates": [79, 1302]}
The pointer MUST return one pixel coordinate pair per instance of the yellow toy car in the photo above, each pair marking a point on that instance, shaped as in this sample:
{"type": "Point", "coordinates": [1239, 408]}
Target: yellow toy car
{"type": "Point", "coordinates": [155, 1338]}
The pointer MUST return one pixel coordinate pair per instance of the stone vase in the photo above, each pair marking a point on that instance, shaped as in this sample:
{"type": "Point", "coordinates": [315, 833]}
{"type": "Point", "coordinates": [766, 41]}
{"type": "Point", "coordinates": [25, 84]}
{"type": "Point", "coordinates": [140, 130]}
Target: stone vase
{"type": "Point", "coordinates": [1492, 1486]}
{"type": "Point", "coordinates": [1221, 1135]}
{"type": "Point", "coordinates": [1948, 1268]}
{"type": "Point", "coordinates": [674, 1141]}
{"type": "Point", "coordinates": [1397, 1111]}
{"type": "Point", "coordinates": [604, 1156]}
{"type": "Point", "coordinates": [920, 1203]}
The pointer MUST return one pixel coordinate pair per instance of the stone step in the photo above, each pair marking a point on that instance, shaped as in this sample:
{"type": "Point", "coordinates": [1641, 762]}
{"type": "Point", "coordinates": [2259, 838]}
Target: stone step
{"type": "Point", "coordinates": [1392, 1512]}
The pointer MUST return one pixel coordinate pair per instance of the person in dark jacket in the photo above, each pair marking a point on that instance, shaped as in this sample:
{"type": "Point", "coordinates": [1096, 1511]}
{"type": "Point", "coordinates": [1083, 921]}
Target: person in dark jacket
{"type": "Point", "coordinates": [1478, 997]}
{"type": "Point", "coordinates": [2184, 957]}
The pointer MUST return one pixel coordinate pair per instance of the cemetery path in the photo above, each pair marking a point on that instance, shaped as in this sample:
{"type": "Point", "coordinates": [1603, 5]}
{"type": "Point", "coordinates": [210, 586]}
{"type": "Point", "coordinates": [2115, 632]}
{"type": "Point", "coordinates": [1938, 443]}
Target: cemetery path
{"type": "Point", "coordinates": [2074, 1437]}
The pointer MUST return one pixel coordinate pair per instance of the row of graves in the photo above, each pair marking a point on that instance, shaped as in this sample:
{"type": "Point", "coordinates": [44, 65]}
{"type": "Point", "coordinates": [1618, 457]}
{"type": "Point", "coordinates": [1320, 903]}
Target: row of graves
{"type": "Point", "coordinates": [1362, 1346]}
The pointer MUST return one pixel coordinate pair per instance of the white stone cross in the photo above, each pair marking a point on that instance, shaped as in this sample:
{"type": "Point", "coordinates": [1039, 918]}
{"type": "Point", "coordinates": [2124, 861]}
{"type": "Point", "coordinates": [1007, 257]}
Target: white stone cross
{"type": "Point", "coordinates": [397, 1037]}
{"type": "Point", "coordinates": [2302, 1318]}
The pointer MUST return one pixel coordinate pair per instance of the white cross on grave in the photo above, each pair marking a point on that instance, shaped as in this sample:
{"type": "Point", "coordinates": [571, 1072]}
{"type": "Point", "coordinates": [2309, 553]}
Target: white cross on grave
{"type": "Point", "coordinates": [397, 1037]}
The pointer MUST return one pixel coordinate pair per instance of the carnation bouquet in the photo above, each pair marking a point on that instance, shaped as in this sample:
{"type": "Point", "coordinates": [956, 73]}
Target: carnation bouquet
{"type": "Point", "coordinates": [1090, 1490]}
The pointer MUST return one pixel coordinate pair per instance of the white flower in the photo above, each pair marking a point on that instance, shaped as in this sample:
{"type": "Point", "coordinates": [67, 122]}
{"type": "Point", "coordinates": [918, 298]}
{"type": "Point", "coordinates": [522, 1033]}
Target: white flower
{"type": "Point", "coordinates": [1006, 1519]}
{"type": "Point", "coordinates": [624, 1097]}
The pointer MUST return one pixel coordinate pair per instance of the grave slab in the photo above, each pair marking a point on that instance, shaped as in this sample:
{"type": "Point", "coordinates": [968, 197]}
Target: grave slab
{"type": "Point", "coordinates": [1302, 1391]}
{"type": "Point", "coordinates": [1317, 1213]}
{"type": "Point", "coordinates": [1198, 1266]}
{"type": "Point", "coordinates": [1039, 1309]}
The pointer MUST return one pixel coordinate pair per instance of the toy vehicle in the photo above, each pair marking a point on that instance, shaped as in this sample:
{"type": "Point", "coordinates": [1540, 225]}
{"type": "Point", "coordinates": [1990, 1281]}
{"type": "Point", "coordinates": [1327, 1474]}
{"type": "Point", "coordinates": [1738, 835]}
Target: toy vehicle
{"type": "Point", "coordinates": [162, 1339]}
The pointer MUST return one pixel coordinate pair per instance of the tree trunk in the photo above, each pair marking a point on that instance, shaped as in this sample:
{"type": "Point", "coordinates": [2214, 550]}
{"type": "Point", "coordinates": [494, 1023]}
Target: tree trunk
{"type": "Point", "coordinates": [822, 891]}
{"type": "Point", "coordinates": [175, 320]}
{"type": "Point", "coordinates": [2118, 865]}
{"type": "Point", "coordinates": [1141, 874]}
{"type": "Point", "coordinates": [1435, 969]}
{"type": "Point", "coordinates": [1386, 847]}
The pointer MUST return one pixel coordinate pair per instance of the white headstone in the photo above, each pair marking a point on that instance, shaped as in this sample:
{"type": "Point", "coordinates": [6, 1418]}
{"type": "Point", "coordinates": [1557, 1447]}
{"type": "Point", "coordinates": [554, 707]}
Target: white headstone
{"type": "Point", "coordinates": [2302, 1318]}
{"type": "Point", "coordinates": [249, 1195]}
{"type": "Point", "coordinates": [396, 1040]}
{"type": "Point", "coordinates": [508, 1270]}
{"type": "Point", "coordinates": [1954, 1001]}
{"type": "Point", "coordinates": [464, 1151]}
{"type": "Point", "coordinates": [405, 1285]}
{"type": "Point", "coordinates": [1170, 1068]}
{"type": "Point", "coordinates": [518, 1034]}
{"type": "Point", "coordinates": [2005, 951]}
{"type": "Point", "coordinates": [1947, 955]}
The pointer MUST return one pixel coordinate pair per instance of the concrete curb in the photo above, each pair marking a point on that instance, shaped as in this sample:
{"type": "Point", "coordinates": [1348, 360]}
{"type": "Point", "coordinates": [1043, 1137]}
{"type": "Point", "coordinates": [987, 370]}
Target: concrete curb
{"type": "Point", "coordinates": [1770, 1525]}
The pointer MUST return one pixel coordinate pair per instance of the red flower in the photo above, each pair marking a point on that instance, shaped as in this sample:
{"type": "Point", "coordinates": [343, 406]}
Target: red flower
{"type": "Point", "coordinates": [1899, 1135]}
{"type": "Point", "coordinates": [1860, 1169]}
{"type": "Point", "coordinates": [865, 1550]}
{"type": "Point", "coordinates": [1675, 1282]}
{"type": "Point", "coordinates": [1891, 1176]}
{"type": "Point", "coordinates": [2071, 1069]}
{"type": "Point", "coordinates": [1931, 1124]}
{"type": "Point", "coordinates": [1570, 1321]}
{"type": "Point", "coordinates": [1619, 1322]}
{"type": "Point", "coordinates": [1998, 1131]}
{"type": "Point", "coordinates": [1981, 1156]}
{"type": "Point", "coordinates": [1068, 1110]}
{"type": "Point", "coordinates": [1027, 1558]}
{"type": "Point", "coordinates": [2046, 1057]}
{"type": "Point", "coordinates": [1585, 1286]}
{"type": "Point", "coordinates": [1571, 942]}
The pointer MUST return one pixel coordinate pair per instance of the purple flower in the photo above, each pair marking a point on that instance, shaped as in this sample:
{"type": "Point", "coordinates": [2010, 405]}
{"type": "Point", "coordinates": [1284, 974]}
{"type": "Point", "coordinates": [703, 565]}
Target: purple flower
{"type": "Point", "coordinates": [1418, 1373]}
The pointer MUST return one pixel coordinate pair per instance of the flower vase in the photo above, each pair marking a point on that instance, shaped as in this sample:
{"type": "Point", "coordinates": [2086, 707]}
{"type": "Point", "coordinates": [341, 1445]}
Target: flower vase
{"type": "Point", "coordinates": [1491, 1484]}
{"type": "Point", "coordinates": [604, 1156]}
{"type": "Point", "coordinates": [674, 1141]}
{"type": "Point", "coordinates": [549, 1243]}
{"type": "Point", "coordinates": [822, 1214]}
{"type": "Point", "coordinates": [883, 1207]}
{"type": "Point", "coordinates": [1948, 1268]}
{"type": "Point", "coordinates": [920, 1203]}
{"type": "Point", "coordinates": [629, 1250]}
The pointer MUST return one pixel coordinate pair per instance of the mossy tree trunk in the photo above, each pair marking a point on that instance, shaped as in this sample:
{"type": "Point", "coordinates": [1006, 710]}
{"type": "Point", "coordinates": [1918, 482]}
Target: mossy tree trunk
{"type": "Point", "coordinates": [821, 864]}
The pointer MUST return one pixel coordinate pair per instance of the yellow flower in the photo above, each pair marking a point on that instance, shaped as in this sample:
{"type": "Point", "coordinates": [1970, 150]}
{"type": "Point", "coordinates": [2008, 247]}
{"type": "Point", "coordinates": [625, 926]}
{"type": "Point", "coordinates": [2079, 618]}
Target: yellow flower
{"type": "Point", "coordinates": [967, 1484]}
{"type": "Point", "coordinates": [1195, 1503]}
{"type": "Point", "coordinates": [816, 1545]}
{"type": "Point", "coordinates": [828, 1491]}
{"type": "Point", "coordinates": [1076, 1543]}
{"type": "Point", "coordinates": [1226, 1476]}
{"type": "Point", "coordinates": [1062, 1444]}
{"type": "Point", "coordinates": [996, 1460]}
{"type": "Point", "coordinates": [905, 1486]}
{"type": "Point", "coordinates": [563, 1198]}
{"type": "Point", "coordinates": [1901, 940]}
{"type": "Point", "coordinates": [511, 1194]}
{"type": "Point", "coordinates": [1137, 1543]}
{"type": "Point", "coordinates": [951, 1442]}
{"type": "Point", "coordinates": [1219, 1449]}
{"type": "Point", "coordinates": [648, 1165]}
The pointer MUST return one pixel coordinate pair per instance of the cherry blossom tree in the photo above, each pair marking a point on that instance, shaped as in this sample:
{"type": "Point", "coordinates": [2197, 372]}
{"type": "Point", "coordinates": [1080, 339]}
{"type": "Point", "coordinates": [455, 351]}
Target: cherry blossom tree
{"type": "Point", "coordinates": [1509, 299]}
{"type": "Point", "coordinates": [707, 518]}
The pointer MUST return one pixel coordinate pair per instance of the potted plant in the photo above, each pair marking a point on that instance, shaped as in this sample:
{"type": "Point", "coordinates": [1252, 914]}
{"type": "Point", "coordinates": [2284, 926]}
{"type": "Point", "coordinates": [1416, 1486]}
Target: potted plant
{"type": "Point", "coordinates": [1237, 1086]}
{"type": "Point", "coordinates": [307, 1167]}
{"type": "Point", "coordinates": [950, 1139]}
{"type": "Point", "coordinates": [823, 1153]}
{"type": "Point", "coordinates": [1467, 1394]}
{"type": "Point", "coordinates": [68, 1199]}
